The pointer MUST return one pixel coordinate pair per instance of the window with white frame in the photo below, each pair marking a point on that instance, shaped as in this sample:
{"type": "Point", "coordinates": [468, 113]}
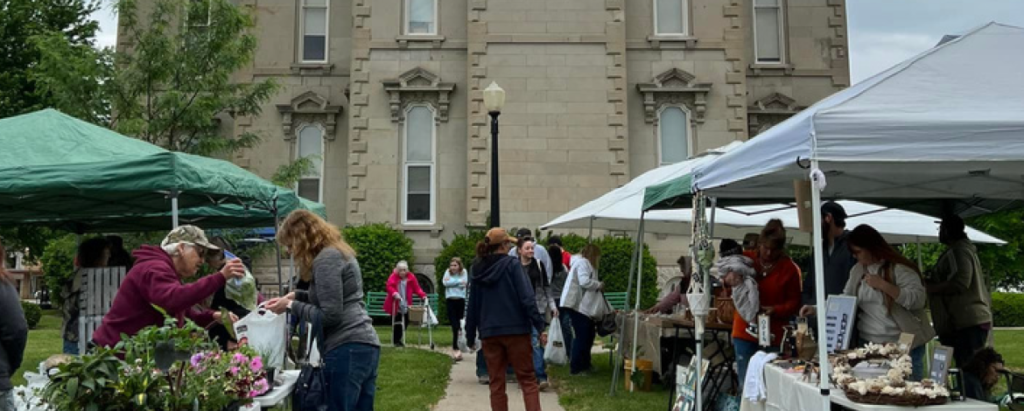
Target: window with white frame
{"type": "Point", "coordinates": [673, 135]}
{"type": "Point", "coordinates": [199, 16]}
{"type": "Point", "coordinates": [311, 146]}
{"type": "Point", "coordinates": [313, 46]}
{"type": "Point", "coordinates": [419, 194]}
{"type": "Point", "coordinates": [768, 31]}
{"type": "Point", "coordinates": [670, 17]}
{"type": "Point", "coordinates": [421, 17]}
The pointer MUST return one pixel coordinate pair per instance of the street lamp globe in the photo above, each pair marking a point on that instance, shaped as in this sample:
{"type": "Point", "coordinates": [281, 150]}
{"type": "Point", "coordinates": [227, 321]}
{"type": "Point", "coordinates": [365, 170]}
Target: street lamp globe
{"type": "Point", "coordinates": [494, 98]}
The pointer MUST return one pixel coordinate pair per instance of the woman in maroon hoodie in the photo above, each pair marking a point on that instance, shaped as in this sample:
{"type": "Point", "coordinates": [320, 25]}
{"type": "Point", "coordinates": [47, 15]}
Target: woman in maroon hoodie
{"type": "Point", "coordinates": [156, 280]}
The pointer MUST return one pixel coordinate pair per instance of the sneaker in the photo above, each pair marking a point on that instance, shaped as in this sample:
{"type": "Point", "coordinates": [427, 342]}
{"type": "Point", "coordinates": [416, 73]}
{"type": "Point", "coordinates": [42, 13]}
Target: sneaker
{"type": "Point", "coordinates": [543, 386]}
{"type": "Point", "coordinates": [483, 380]}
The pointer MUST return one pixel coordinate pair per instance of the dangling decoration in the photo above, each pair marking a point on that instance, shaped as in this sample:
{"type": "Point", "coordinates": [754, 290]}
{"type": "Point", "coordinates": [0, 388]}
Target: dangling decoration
{"type": "Point", "coordinates": [704, 256]}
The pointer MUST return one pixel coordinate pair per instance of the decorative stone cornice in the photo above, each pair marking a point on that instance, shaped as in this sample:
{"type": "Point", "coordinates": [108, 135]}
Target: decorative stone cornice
{"type": "Point", "coordinates": [674, 86]}
{"type": "Point", "coordinates": [418, 86]}
{"type": "Point", "coordinates": [309, 105]}
{"type": "Point", "coordinates": [769, 111]}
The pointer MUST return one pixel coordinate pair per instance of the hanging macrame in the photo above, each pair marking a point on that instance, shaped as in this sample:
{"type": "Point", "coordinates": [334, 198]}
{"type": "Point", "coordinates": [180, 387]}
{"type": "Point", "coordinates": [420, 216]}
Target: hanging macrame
{"type": "Point", "coordinates": [704, 256]}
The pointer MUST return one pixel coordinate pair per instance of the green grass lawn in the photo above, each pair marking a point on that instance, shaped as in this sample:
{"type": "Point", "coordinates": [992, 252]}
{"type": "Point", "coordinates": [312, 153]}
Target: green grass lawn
{"type": "Point", "coordinates": [419, 336]}
{"type": "Point", "coordinates": [590, 393]}
{"type": "Point", "coordinates": [411, 379]}
{"type": "Point", "coordinates": [45, 340]}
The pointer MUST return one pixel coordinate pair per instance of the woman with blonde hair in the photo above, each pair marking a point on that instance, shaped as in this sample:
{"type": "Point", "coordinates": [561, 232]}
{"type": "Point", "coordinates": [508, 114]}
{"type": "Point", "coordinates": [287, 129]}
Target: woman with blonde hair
{"type": "Point", "coordinates": [335, 295]}
{"type": "Point", "coordinates": [582, 280]}
{"type": "Point", "coordinates": [455, 283]}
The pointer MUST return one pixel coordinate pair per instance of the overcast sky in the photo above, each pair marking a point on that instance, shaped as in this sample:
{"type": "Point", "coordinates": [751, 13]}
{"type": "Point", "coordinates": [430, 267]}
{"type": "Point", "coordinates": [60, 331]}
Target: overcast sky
{"type": "Point", "coordinates": [882, 32]}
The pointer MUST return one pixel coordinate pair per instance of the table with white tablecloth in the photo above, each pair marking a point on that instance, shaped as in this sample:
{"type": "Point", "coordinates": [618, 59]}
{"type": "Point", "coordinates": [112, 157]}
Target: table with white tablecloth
{"type": "Point", "coordinates": [786, 391]}
{"type": "Point", "coordinates": [280, 393]}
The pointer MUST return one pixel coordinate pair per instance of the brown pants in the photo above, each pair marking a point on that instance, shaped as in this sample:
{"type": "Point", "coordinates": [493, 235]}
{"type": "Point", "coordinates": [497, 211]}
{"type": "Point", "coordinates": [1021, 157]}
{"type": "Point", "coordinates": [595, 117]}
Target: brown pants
{"type": "Point", "coordinates": [517, 350]}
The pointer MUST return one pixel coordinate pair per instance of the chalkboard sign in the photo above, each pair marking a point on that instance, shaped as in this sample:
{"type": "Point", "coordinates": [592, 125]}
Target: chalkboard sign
{"type": "Point", "coordinates": [942, 356]}
{"type": "Point", "coordinates": [840, 316]}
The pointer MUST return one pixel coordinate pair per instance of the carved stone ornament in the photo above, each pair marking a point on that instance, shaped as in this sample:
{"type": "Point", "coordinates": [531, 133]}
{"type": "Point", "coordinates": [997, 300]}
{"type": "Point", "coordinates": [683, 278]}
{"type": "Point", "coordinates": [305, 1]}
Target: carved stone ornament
{"type": "Point", "coordinates": [418, 86]}
{"type": "Point", "coordinates": [308, 107]}
{"type": "Point", "coordinates": [769, 111]}
{"type": "Point", "coordinates": [674, 87]}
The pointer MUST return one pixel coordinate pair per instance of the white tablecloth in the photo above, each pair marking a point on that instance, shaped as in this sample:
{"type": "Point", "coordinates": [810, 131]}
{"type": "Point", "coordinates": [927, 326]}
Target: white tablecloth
{"type": "Point", "coordinates": [786, 392]}
{"type": "Point", "coordinates": [280, 393]}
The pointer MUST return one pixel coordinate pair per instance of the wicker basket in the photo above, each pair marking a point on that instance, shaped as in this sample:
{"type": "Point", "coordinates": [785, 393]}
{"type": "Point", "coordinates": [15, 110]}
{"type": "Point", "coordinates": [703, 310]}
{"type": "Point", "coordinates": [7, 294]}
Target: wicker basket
{"type": "Point", "coordinates": [901, 401]}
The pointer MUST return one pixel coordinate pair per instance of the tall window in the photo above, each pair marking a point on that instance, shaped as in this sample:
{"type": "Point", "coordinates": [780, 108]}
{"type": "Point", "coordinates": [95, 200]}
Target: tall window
{"type": "Point", "coordinates": [670, 17]}
{"type": "Point", "coordinates": [673, 135]}
{"type": "Point", "coordinates": [419, 165]}
{"type": "Point", "coordinates": [199, 16]}
{"type": "Point", "coordinates": [311, 145]}
{"type": "Point", "coordinates": [314, 31]}
{"type": "Point", "coordinates": [768, 36]}
{"type": "Point", "coordinates": [420, 16]}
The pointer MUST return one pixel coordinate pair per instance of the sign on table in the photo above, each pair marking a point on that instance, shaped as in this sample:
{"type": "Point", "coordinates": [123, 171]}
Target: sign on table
{"type": "Point", "coordinates": [939, 369]}
{"type": "Point", "coordinates": [686, 385]}
{"type": "Point", "coordinates": [839, 320]}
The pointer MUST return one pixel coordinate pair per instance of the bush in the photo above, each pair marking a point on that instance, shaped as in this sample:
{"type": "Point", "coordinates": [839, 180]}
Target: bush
{"type": "Point", "coordinates": [32, 314]}
{"type": "Point", "coordinates": [1008, 309]}
{"type": "Point", "coordinates": [59, 265]}
{"type": "Point", "coordinates": [574, 243]}
{"type": "Point", "coordinates": [462, 246]}
{"type": "Point", "coordinates": [378, 247]}
{"type": "Point", "coordinates": [616, 255]}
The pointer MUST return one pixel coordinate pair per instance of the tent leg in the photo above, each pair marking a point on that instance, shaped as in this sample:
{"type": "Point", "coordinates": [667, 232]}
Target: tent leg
{"type": "Point", "coordinates": [706, 278]}
{"type": "Point", "coordinates": [590, 232]}
{"type": "Point", "coordinates": [639, 286]}
{"type": "Point", "coordinates": [819, 291]}
{"type": "Point", "coordinates": [277, 247]}
{"type": "Point", "coordinates": [920, 263]}
{"type": "Point", "coordinates": [174, 209]}
{"type": "Point", "coordinates": [632, 269]}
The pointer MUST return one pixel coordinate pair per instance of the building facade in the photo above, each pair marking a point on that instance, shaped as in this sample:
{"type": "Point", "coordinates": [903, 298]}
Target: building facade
{"type": "Point", "coordinates": [387, 95]}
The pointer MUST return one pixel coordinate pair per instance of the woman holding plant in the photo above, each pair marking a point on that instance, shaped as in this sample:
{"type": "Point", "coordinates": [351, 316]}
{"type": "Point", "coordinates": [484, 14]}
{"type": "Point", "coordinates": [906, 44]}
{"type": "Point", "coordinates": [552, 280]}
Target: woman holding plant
{"type": "Point", "coordinates": [335, 296]}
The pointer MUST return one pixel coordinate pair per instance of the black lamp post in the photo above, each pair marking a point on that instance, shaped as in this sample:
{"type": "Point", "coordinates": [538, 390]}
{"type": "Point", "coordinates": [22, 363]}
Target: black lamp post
{"type": "Point", "coordinates": [494, 101]}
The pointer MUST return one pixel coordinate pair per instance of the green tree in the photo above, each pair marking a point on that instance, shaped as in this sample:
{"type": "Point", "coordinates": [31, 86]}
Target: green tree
{"type": "Point", "coordinates": [20, 20]}
{"type": "Point", "coordinates": [378, 248]}
{"type": "Point", "coordinates": [173, 81]}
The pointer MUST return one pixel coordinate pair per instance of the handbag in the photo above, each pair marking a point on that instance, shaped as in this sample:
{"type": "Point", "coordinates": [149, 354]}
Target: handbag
{"type": "Point", "coordinates": [311, 391]}
{"type": "Point", "coordinates": [606, 324]}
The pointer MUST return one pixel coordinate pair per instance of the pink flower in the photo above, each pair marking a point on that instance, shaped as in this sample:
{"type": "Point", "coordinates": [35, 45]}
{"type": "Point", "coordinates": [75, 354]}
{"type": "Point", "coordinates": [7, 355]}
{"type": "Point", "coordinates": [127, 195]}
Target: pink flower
{"type": "Point", "coordinates": [234, 370]}
{"type": "Point", "coordinates": [256, 364]}
{"type": "Point", "coordinates": [196, 359]}
{"type": "Point", "coordinates": [261, 386]}
{"type": "Point", "coordinates": [240, 358]}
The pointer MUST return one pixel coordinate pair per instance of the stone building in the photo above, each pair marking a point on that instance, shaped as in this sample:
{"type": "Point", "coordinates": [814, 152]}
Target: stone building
{"type": "Point", "coordinates": [388, 94]}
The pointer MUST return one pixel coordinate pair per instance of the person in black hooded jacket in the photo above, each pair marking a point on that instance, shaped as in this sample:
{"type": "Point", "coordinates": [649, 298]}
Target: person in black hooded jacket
{"type": "Point", "coordinates": [503, 309]}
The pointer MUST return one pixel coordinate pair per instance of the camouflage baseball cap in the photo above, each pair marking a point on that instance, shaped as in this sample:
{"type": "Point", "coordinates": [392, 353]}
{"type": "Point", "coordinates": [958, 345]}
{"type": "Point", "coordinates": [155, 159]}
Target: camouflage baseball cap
{"type": "Point", "coordinates": [188, 234]}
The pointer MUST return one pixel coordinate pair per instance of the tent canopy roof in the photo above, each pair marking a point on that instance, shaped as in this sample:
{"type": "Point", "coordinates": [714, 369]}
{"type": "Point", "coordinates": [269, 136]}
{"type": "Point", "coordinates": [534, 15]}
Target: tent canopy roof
{"type": "Point", "coordinates": [939, 132]}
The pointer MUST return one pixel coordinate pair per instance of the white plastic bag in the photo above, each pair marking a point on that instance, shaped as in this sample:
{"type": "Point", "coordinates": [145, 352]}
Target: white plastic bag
{"type": "Point", "coordinates": [463, 344]}
{"type": "Point", "coordinates": [554, 352]}
{"type": "Point", "coordinates": [264, 331]}
{"type": "Point", "coordinates": [431, 319]}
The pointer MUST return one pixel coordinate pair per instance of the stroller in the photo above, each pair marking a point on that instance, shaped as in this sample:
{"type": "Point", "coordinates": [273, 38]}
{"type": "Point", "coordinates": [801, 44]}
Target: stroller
{"type": "Point", "coordinates": [419, 314]}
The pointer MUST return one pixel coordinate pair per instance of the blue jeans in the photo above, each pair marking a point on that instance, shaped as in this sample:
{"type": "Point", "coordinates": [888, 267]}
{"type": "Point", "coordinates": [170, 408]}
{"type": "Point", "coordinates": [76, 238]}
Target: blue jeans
{"type": "Point", "coordinates": [743, 350]}
{"type": "Point", "coordinates": [565, 320]}
{"type": "Point", "coordinates": [70, 348]}
{"type": "Point", "coordinates": [538, 356]}
{"type": "Point", "coordinates": [583, 327]}
{"type": "Point", "coordinates": [352, 376]}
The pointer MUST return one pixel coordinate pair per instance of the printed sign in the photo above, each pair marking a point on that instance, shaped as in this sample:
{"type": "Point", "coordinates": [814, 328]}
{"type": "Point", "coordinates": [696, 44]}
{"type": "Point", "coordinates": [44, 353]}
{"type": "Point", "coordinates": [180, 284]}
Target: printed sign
{"type": "Point", "coordinates": [764, 330]}
{"type": "Point", "coordinates": [839, 320]}
{"type": "Point", "coordinates": [942, 356]}
{"type": "Point", "coordinates": [686, 385]}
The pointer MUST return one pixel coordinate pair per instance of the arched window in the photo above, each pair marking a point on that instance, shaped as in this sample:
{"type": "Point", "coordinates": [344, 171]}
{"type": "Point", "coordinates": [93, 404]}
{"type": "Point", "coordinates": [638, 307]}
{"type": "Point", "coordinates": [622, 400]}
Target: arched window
{"type": "Point", "coordinates": [673, 135]}
{"type": "Point", "coordinates": [311, 145]}
{"type": "Point", "coordinates": [419, 194]}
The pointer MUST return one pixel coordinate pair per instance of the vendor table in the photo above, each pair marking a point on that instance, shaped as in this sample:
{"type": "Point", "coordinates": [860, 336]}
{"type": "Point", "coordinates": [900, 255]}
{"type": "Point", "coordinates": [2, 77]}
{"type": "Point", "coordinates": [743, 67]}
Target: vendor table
{"type": "Point", "coordinates": [721, 359]}
{"type": "Point", "coordinates": [279, 395]}
{"type": "Point", "coordinates": [786, 391]}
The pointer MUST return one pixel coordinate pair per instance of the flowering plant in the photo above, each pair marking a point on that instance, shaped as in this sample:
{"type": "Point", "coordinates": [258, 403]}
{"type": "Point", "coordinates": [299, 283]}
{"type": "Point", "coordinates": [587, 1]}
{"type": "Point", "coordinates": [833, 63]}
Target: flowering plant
{"type": "Point", "coordinates": [238, 375]}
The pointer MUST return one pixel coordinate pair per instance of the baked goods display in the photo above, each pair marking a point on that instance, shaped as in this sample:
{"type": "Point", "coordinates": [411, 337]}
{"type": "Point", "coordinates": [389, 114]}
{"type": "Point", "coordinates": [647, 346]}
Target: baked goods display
{"type": "Point", "coordinates": [892, 388]}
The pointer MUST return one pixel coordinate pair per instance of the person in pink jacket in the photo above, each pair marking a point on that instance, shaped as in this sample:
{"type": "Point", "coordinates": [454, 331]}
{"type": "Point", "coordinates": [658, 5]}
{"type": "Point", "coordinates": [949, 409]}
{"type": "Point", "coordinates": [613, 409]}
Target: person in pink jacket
{"type": "Point", "coordinates": [402, 285]}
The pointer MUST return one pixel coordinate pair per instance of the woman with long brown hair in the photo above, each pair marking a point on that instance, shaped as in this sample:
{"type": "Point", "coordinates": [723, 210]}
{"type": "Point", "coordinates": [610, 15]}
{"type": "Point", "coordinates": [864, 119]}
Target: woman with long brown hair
{"type": "Point", "coordinates": [891, 297]}
{"type": "Point", "coordinates": [456, 281]}
{"type": "Point", "coordinates": [582, 280]}
{"type": "Point", "coordinates": [13, 334]}
{"type": "Point", "coordinates": [351, 349]}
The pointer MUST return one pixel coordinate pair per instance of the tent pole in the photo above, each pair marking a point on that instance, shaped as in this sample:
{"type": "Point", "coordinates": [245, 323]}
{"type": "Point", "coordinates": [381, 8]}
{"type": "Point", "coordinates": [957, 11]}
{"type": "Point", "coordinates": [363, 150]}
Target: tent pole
{"type": "Point", "coordinates": [639, 286]}
{"type": "Point", "coordinates": [920, 264]}
{"type": "Point", "coordinates": [277, 247]}
{"type": "Point", "coordinates": [590, 233]}
{"type": "Point", "coordinates": [819, 291]}
{"type": "Point", "coordinates": [706, 278]}
{"type": "Point", "coordinates": [622, 330]}
{"type": "Point", "coordinates": [174, 209]}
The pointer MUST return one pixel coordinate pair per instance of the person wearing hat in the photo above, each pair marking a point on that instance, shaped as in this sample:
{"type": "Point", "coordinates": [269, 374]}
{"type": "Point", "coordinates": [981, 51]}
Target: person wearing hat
{"type": "Point", "coordinates": [837, 257]}
{"type": "Point", "coordinates": [156, 281]}
{"type": "Point", "coordinates": [503, 309]}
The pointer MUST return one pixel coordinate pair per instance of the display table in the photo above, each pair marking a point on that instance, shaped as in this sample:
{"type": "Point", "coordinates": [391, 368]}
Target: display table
{"type": "Point", "coordinates": [280, 393]}
{"type": "Point", "coordinates": [787, 392]}
{"type": "Point", "coordinates": [717, 339]}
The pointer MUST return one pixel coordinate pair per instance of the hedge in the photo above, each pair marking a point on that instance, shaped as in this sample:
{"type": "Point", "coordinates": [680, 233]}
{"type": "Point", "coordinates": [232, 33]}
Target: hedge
{"type": "Point", "coordinates": [616, 255]}
{"type": "Point", "coordinates": [462, 246]}
{"type": "Point", "coordinates": [1008, 309]}
{"type": "Point", "coordinates": [378, 248]}
{"type": "Point", "coordinates": [58, 261]}
{"type": "Point", "coordinates": [32, 314]}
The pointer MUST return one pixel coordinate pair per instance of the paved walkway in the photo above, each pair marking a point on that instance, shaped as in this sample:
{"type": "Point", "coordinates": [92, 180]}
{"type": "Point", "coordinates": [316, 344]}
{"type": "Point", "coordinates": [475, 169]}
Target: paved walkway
{"type": "Point", "coordinates": [466, 394]}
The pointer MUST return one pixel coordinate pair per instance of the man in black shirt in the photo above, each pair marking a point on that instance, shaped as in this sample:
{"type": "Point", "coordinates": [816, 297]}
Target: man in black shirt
{"type": "Point", "coordinates": [838, 259]}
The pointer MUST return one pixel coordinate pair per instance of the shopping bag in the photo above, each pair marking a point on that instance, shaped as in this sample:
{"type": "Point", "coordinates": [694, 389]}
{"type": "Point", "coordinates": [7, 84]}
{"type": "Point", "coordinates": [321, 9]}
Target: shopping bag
{"type": "Point", "coordinates": [554, 352]}
{"type": "Point", "coordinates": [242, 290]}
{"type": "Point", "coordinates": [430, 319]}
{"type": "Point", "coordinates": [264, 331]}
{"type": "Point", "coordinates": [463, 344]}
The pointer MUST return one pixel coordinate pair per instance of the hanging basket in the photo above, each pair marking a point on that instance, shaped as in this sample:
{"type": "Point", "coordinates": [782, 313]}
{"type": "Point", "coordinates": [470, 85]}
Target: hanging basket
{"type": "Point", "coordinates": [700, 303]}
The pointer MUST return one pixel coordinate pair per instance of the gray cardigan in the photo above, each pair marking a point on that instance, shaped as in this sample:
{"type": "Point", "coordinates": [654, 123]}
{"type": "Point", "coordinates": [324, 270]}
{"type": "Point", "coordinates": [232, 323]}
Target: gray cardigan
{"type": "Point", "coordinates": [336, 292]}
{"type": "Point", "coordinates": [13, 334]}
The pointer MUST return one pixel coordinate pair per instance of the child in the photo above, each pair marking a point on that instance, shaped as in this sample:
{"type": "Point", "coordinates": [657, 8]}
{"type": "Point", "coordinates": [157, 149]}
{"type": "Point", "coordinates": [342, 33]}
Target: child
{"type": "Point", "coordinates": [737, 271]}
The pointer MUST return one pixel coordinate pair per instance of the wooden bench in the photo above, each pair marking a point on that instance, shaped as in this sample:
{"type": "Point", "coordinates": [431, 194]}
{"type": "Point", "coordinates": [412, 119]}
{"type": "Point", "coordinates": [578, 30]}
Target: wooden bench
{"type": "Point", "coordinates": [617, 300]}
{"type": "Point", "coordinates": [375, 303]}
{"type": "Point", "coordinates": [97, 291]}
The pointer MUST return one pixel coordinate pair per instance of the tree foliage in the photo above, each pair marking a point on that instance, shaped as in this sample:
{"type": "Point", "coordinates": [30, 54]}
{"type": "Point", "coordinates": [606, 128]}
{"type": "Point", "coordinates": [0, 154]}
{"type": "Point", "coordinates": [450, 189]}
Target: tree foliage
{"type": "Point", "coordinates": [172, 81]}
{"type": "Point", "coordinates": [378, 248]}
{"type": "Point", "coordinates": [20, 20]}
{"type": "Point", "coordinates": [59, 265]}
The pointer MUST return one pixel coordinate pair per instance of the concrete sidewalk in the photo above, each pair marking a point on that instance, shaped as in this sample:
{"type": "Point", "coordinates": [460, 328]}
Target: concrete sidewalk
{"type": "Point", "coordinates": [464, 393]}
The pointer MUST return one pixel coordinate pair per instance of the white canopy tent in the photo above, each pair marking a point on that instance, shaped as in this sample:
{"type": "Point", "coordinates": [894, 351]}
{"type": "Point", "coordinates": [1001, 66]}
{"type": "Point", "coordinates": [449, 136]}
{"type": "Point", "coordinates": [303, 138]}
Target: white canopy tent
{"type": "Point", "coordinates": [941, 132]}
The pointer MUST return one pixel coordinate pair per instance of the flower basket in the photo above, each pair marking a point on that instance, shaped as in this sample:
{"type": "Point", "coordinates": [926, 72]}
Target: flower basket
{"type": "Point", "coordinates": [726, 309]}
{"type": "Point", "coordinates": [899, 401]}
